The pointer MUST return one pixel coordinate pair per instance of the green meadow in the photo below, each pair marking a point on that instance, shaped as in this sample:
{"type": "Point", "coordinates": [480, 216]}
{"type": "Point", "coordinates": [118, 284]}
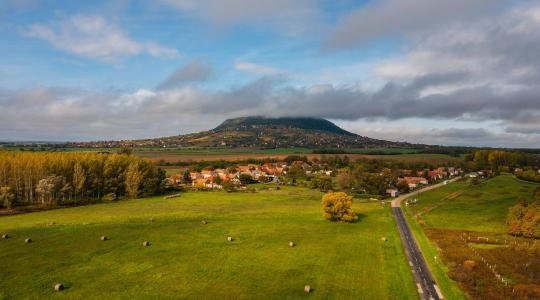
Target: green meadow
{"type": "Point", "coordinates": [483, 207]}
{"type": "Point", "coordinates": [187, 259]}
{"type": "Point", "coordinates": [462, 206]}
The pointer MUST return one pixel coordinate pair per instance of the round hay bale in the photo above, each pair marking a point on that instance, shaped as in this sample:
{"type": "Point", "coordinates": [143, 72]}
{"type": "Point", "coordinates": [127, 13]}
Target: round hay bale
{"type": "Point", "coordinates": [5, 236]}
{"type": "Point", "coordinates": [146, 243]}
{"type": "Point", "coordinates": [292, 244]}
{"type": "Point", "coordinates": [59, 287]}
{"type": "Point", "coordinates": [469, 264]}
{"type": "Point", "coordinates": [28, 240]}
{"type": "Point", "coordinates": [204, 222]}
{"type": "Point", "coordinates": [52, 223]}
{"type": "Point", "coordinates": [384, 239]}
{"type": "Point", "coordinates": [104, 238]}
{"type": "Point", "coordinates": [230, 239]}
{"type": "Point", "coordinates": [151, 219]}
{"type": "Point", "coordinates": [307, 288]}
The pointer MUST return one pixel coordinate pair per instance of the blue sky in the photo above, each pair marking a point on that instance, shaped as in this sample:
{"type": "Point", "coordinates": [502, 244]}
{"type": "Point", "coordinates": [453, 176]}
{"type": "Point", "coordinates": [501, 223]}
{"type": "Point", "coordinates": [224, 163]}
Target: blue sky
{"type": "Point", "coordinates": [460, 72]}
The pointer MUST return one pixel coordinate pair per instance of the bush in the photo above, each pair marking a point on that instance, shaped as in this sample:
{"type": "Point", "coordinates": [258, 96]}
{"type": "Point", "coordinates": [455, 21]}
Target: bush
{"type": "Point", "coordinates": [110, 197]}
{"type": "Point", "coordinates": [338, 207]}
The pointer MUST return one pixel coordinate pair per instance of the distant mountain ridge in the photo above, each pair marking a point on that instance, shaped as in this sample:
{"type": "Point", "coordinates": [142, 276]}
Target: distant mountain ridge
{"type": "Point", "coordinates": [262, 132]}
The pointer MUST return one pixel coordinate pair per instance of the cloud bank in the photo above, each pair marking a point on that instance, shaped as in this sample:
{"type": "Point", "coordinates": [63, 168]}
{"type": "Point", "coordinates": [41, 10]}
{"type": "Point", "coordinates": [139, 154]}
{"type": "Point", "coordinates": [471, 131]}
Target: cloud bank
{"type": "Point", "coordinates": [479, 70]}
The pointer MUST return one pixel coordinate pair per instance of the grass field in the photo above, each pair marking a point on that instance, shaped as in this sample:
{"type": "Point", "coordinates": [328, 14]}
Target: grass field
{"type": "Point", "coordinates": [190, 260]}
{"type": "Point", "coordinates": [477, 208]}
{"type": "Point", "coordinates": [479, 211]}
{"type": "Point", "coordinates": [173, 155]}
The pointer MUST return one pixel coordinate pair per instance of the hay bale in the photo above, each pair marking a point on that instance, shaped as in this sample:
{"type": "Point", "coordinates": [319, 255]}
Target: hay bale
{"type": "Point", "coordinates": [469, 264]}
{"type": "Point", "coordinates": [59, 287]}
{"type": "Point", "coordinates": [52, 223]}
{"type": "Point", "coordinates": [230, 239]}
{"type": "Point", "coordinates": [28, 240]}
{"type": "Point", "coordinates": [104, 238]}
{"type": "Point", "coordinates": [204, 222]}
{"type": "Point", "coordinates": [146, 243]}
{"type": "Point", "coordinates": [292, 244]}
{"type": "Point", "coordinates": [151, 219]}
{"type": "Point", "coordinates": [307, 288]}
{"type": "Point", "coordinates": [384, 239]}
{"type": "Point", "coordinates": [5, 236]}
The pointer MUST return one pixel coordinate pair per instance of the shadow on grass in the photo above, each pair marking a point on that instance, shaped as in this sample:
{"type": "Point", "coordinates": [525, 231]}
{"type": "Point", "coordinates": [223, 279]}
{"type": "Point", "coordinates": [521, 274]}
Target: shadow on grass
{"type": "Point", "coordinates": [360, 217]}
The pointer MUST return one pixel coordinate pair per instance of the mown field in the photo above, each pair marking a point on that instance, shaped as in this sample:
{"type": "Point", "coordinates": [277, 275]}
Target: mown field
{"type": "Point", "coordinates": [451, 221]}
{"type": "Point", "coordinates": [191, 260]}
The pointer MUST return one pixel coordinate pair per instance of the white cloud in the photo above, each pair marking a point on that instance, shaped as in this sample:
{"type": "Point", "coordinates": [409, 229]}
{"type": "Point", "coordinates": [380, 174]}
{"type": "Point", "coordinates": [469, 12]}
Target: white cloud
{"type": "Point", "coordinates": [93, 37]}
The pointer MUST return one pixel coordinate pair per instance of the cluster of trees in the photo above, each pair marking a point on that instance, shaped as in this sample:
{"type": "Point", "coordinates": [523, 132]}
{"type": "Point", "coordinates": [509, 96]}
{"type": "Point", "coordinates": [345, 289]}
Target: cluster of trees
{"type": "Point", "coordinates": [530, 175]}
{"type": "Point", "coordinates": [503, 161]}
{"type": "Point", "coordinates": [370, 176]}
{"type": "Point", "coordinates": [524, 217]}
{"type": "Point", "coordinates": [51, 178]}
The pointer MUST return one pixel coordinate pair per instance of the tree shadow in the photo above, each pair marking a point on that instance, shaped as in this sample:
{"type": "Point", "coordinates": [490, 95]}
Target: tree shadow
{"type": "Point", "coordinates": [360, 216]}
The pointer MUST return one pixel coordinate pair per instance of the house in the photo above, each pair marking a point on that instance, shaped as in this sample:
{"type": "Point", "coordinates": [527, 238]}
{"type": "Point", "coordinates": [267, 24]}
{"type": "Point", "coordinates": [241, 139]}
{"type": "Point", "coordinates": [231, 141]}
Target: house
{"type": "Point", "coordinates": [414, 182]}
{"type": "Point", "coordinates": [392, 192]}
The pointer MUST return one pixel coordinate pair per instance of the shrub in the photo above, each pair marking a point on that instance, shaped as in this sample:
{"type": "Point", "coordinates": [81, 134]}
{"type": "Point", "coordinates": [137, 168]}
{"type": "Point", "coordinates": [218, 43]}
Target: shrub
{"type": "Point", "coordinates": [338, 207]}
{"type": "Point", "coordinates": [110, 197]}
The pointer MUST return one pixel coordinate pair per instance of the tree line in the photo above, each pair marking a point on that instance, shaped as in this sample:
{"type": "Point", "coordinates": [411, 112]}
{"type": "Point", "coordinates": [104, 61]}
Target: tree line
{"type": "Point", "coordinates": [53, 178]}
{"type": "Point", "coordinates": [501, 160]}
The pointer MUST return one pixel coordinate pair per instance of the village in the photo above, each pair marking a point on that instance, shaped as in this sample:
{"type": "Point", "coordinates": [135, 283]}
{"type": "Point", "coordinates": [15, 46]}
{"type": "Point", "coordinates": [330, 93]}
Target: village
{"type": "Point", "coordinates": [287, 173]}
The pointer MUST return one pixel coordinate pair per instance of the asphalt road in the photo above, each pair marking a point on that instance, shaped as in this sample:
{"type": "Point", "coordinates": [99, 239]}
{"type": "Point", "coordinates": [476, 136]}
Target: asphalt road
{"type": "Point", "coordinates": [427, 288]}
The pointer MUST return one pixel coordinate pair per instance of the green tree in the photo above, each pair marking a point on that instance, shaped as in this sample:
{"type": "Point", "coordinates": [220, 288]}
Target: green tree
{"type": "Point", "coordinates": [186, 177]}
{"type": "Point", "coordinates": [325, 184]}
{"type": "Point", "coordinates": [246, 179]}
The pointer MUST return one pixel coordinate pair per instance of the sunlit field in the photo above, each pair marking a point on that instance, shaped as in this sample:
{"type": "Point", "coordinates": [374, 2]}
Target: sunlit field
{"type": "Point", "coordinates": [189, 259]}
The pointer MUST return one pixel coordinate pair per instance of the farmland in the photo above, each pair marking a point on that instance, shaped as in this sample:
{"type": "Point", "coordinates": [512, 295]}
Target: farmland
{"type": "Point", "coordinates": [188, 259]}
{"type": "Point", "coordinates": [468, 222]}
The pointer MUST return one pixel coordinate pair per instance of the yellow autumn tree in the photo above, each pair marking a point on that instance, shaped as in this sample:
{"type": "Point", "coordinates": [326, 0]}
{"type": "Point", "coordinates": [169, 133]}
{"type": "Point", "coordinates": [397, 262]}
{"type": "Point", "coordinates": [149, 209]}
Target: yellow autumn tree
{"type": "Point", "coordinates": [338, 207]}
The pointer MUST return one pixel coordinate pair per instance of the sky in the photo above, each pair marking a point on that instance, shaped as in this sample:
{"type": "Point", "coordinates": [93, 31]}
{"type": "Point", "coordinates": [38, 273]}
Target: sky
{"type": "Point", "coordinates": [448, 72]}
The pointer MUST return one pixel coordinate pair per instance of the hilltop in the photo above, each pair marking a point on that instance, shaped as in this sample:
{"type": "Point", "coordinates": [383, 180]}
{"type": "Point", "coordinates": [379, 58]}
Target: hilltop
{"type": "Point", "coordinates": [261, 132]}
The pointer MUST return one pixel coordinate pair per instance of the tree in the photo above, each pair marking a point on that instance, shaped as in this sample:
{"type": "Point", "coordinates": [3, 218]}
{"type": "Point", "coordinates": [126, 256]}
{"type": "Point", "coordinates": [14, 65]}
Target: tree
{"type": "Point", "coordinates": [531, 222]}
{"type": "Point", "coordinates": [338, 207]}
{"type": "Point", "coordinates": [7, 197]}
{"type": "Point", "coordinates": [515, 217]}
{"type": "Point", "coordinates": [125, 151]}
{"type": "Point", "coordinates": [343, 180]}
{"type": "Point", "coordinates": [49, 188]}
{"type": "Point", "coordinates": [217, 180]}
{"type": "Point", "coordinates": [79, 179]}
{"type": "Point", "coordinates": [246, 179]}
{"type": "Point", "coordinates": [403, 186]}
{"type": "Point", "coordinates": [325, 184]}
{"type": "Point", "coordinates": [133, 180]}
{"type": "Point", "coordinates": [186, 177]}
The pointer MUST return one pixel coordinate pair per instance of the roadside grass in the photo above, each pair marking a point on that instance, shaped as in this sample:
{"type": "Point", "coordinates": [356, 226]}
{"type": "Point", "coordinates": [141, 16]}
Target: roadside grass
{"type": "Point", "coordinates": [480, 210]}
{"type": "Point", "coordinates": [449, 288]}
{"type": "Point", "coordinates": [187, 259]}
